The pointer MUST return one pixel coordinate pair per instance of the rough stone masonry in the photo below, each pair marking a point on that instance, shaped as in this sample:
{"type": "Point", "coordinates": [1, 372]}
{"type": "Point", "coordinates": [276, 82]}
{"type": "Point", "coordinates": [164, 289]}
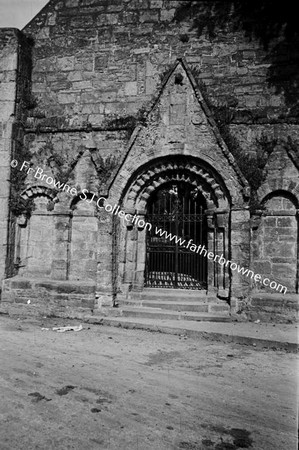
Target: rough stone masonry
{"type": "Point", "coordinates": [123, 98]}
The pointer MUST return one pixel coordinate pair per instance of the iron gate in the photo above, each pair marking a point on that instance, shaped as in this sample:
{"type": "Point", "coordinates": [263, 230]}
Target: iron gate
{"type": "Point", "coordinates": [178, 211]}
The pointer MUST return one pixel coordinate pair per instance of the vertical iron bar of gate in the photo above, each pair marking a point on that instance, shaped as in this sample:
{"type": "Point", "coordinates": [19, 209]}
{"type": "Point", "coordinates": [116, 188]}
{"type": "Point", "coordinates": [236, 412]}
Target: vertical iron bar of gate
{"type": "Point", "coordinates": [189, 255]}
{"type": "Point", "coordinates": [165, 259]}
{"type": "Point", "coordinates": [191, 227]}
{"type": "Point", "coordinates": [176, 247]}
{"type": "Point", "coordinates": [200, 238]}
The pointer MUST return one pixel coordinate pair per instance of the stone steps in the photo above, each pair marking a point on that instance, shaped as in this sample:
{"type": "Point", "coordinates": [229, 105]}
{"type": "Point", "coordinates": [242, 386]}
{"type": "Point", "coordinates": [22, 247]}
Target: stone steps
{"type": "Point", "coordinates": [160, 314]}
{"type": "Point", "coordinates": [179, 306]}
{"type": "Point", "coordinates": [173, 304]}
{"type": "Point", "coordinates": [181, 295]}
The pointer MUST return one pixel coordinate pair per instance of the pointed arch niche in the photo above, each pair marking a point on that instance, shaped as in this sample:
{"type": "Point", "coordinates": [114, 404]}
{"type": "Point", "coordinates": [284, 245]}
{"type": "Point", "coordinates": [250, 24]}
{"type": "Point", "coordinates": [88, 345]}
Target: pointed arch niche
{"type": "Point", "coordinates": [135, 201]}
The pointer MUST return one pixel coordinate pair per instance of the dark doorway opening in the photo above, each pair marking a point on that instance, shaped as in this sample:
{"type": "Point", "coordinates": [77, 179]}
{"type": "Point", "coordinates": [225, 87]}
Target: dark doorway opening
{"type": "Point", "coordinates": [173, 260]}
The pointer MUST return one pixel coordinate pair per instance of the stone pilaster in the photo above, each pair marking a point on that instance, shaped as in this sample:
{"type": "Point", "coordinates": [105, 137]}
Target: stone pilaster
{"type": "Point", "coordinates": [8, 93]}
{"type": "Point", "coordinates": [140, 253]}
{"type": "Point", "coordinates": [60, 262]}
{"type": "Point", "coordinates": [211, 281]}
{"type": "Point", "coordinates": [104, 259]}
{"type": "Point", "coordinates": [222, 248]}
{"type": "Point", "coordinates": [240, 251]}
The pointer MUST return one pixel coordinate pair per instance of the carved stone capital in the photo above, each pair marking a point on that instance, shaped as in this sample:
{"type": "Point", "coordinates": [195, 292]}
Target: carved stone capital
{"type": "Point", "coordinates": [22, 220]}
{"type": "Point", "coordinates": [222, 219]}
{"type": "Point", "coordinates": [255, 221]}
{"type": "Point", "coordinates": [211, 221]}
{"type": "Point", "coordinates": [140, 221]}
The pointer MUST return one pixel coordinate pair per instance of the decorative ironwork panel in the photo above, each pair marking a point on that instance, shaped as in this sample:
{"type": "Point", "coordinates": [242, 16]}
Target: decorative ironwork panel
{"type": "Point", "coordinates": [173, 258]}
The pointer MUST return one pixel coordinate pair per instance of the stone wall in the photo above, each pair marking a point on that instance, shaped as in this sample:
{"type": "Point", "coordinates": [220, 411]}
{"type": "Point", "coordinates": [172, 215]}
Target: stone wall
{"type": "Point", "coordinates": [275, 232]}
{"type": "Point", "coordinates": [14, 80]}
{"type": "Point", "coordinates": [49, 296]}
{"type": "Point", "coordinates": [99, 68]}
{"type": "Point", "coordinates": [275, 246]}
{"type": "Point", "coordinates": [101, 64]}
{"type": "Point", "coordinates": [105, 59]}
{"type": "Point", "coordinates": [8, 78]}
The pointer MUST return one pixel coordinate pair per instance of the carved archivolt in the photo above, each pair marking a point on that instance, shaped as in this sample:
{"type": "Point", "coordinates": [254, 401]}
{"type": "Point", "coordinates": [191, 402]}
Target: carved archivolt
{"type": "Point", "coordinates": [155, 176]}
{"type": "Point", "coordinates": [33, 191]}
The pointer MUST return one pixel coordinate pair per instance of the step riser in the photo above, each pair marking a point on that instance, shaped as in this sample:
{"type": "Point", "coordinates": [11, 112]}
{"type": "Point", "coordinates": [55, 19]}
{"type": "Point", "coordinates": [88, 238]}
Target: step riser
{"type": "Point", "coordinates": [177, 306]}
{"type": "Point", "coordinates": [194, 308]}
{"type": "Point", "coordinates": [170, 295]}
{"type": "Point", "coordinates": [219, 308]}
{"type": "Point", "coordinates": [208, 319]}
{"type": "Point", "coordinates": [171, 298]}
{"type": "Point", "coordinates": [156, 315]}
{"type": "Point", "coordinates": [178, 291]}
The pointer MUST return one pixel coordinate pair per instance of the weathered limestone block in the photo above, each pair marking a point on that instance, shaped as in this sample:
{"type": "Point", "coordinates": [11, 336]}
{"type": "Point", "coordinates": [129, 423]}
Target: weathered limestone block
{"type": "Point", "coordinates": [49, 295]}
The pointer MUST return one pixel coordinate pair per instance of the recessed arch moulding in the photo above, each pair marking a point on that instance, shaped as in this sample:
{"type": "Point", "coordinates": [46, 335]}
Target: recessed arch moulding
{"type": "Point", "coordinates": [222, 205]}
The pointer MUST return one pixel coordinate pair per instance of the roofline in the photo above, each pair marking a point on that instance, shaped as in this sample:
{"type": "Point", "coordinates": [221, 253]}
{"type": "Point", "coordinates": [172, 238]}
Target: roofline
{"type": "Point", "coordinates": [40, 12]}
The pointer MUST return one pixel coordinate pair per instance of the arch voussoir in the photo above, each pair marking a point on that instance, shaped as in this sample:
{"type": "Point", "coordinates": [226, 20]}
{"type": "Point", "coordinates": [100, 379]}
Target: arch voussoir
{"type": "Point", "coordinates": [176, 170]}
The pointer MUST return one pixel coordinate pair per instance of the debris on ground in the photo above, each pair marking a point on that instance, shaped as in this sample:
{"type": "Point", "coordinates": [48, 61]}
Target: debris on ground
{"type": "Point", "coordinates": [95, 410]}
{"type": "Point", "coordinates": [37, 397]}
{"type": "Point", "coordinates": [65, 390]}
{"type": "Point", "coordinates": [68, 328]}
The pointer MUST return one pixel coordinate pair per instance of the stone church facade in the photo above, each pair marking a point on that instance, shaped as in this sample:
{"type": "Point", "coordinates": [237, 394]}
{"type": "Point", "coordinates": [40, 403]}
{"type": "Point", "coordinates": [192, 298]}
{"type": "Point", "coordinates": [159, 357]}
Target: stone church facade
{"type": "Point", "coordinates": [116, 103]}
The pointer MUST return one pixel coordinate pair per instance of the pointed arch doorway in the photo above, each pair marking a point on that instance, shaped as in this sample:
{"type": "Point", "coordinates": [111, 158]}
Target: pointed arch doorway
{"type": "Point", "coordinates": [176, 211]}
